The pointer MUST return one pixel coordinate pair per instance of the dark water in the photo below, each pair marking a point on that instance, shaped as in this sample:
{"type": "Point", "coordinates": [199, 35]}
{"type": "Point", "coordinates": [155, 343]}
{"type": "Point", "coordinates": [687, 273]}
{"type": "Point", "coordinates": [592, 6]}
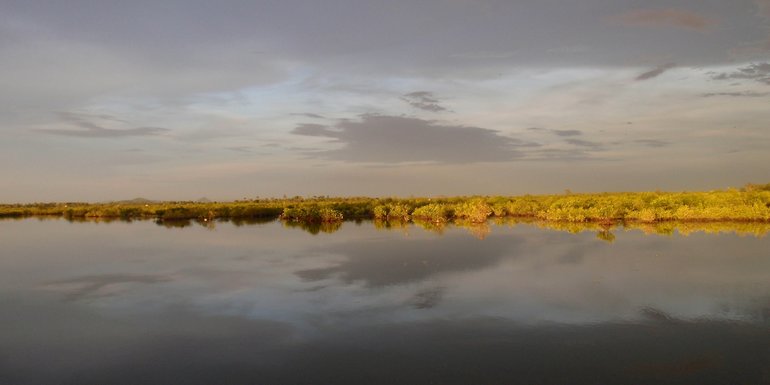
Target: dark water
{"type": "Point", "coordinates": [138, 303]}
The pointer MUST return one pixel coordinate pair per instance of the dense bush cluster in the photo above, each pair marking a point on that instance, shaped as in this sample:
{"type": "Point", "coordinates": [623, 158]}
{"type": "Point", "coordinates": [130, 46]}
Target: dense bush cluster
{"type": "Point", "coordinates": [312, 213]}
{"type": "Point", "coordinates": [752, 203]}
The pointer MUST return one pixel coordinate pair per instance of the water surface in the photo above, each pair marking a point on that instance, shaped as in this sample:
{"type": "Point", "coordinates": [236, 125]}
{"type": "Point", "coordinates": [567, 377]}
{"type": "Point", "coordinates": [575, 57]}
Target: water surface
{"type": "Point", "coordinates": [366, 303]}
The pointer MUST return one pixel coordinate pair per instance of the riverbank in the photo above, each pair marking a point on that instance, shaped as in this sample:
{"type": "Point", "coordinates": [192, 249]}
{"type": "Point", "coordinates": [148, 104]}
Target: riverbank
{"type": "Point", "coordinates": [751, 203]}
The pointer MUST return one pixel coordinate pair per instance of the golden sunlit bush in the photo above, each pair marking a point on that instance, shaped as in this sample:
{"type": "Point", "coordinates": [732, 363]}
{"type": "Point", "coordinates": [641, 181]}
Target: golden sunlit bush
{"type": "Point", "coordinates": [476, 210]}
{"type": "Point", "coordinates": [752, 203]}
{"type": "Point", "coordinates": [434, 212]}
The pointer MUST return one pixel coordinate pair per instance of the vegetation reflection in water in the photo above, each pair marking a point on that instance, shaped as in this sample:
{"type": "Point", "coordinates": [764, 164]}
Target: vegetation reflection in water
{"type": "Point", "coordinates": [384, 296]}
{"type": "Point", "coordinates": [605, 232]}
{"type": "Point", "coordinates": [480, 230]}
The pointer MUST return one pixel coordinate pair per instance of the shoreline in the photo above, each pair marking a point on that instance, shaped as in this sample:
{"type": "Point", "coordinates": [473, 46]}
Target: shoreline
{"type": "Point", "coordinates": [750, 204]}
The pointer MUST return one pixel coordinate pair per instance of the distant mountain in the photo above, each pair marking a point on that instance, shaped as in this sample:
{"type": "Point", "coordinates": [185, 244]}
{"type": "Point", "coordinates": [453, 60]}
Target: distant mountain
{"type": "Point", "coordinates": [204, 200]}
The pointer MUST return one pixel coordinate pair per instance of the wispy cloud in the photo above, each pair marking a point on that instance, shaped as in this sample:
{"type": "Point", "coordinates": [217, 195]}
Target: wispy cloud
{"type": "Point", "coordinates": [93, 285]}
{"type": "Point", "coordinates": [585, 143]}
{"type": "Point", "coordinates": [423, 100]}
{"type": "Point", "coordinates": [655, 143]}
{"type": "Point", "coordinates": [759, 72]}
{"type": "Point", "coordinates": [377, 269]}
{"type": "Point", "coordinates": [671, 17]}
{"type": "Point", "coordinates": [105, 133]}
{"type": "Point", "coordinates": [396, 139]}
{"type": "Point", "coordinates": [244, 149]}
{"type": "Point", "coordinates": [312, 129]}
{"type": "Point", "coordinates": [657, 71]}
{"type": "Point", "coordinates": [743, 94]}
{"type": "Point", "coordinates": [567, 132]}
{"type": "Point", "coordinates": [764, 7]}
{"type": "Point", "coordinates": [309, 115]}
{"type": "Point", "coordinates": [563, 155]}
{"type": "Point", "coordinates": [556, 132]}
{"type": "Point", "coordinates": [87, 127]}
{"type": "Point", "coordinates": [484, 55]}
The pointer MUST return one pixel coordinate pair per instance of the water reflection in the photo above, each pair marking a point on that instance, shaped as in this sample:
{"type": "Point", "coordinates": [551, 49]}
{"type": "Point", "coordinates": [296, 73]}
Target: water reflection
{"type": "Point", "coordinates": [377, 263]}
{"type": "Point", "coordinates": [314, 227]}
{"type": "Point", "coordinates": [604, 231]}
{"type": "Point", "coordinates": [382, 302]}
{"type": "Point", "coordinates": [756, 229]}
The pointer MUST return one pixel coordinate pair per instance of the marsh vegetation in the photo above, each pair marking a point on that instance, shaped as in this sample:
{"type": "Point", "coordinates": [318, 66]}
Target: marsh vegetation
{"type": "Point", "coordinates": [748, 204]}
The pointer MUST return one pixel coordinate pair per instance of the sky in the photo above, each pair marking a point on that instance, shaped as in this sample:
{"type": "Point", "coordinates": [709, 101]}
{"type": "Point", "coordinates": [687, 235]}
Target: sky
{"type": "Point", "coordinates": [178, 100]}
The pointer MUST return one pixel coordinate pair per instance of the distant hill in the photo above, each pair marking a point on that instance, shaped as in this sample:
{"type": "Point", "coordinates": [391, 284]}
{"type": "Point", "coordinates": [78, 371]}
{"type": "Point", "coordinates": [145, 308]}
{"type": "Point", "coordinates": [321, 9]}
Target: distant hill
{"type": "Point", "coordinates": [204, 200]}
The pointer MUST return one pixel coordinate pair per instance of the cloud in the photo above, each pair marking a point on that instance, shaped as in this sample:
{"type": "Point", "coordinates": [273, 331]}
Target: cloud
{"type": "Point", "coordinates": [484, 55]}
{"type": "Point", "coordinates": [423, 100]}
{"type": "Point", "coordinates": [377, 264]}
{"type": "Point", "coordinates": [567, 132]}
{"type": "Point", "coordinates": [244, 149]}
{"type": "Point", "coordinates": [585, 143]}
{"type": "Point", "coordinates": [93, 285]}
{"type": "Point", "coordinates": [396, 139]}
{"type": "Point", "coordinates": [764, 8]}
{"type": "Point", "coordinates": [88, 128]}
{"type": "Point", "coordinates": [564, 155]}
{"type": "Point", "coordinates": [570, 49]}
{"type": "Point", "coordinates": [759, 72]}
{"type": "Point", "coordinates": [759, 48]}
{"type": "Point", "coordinates": [106, 133]}
{"type": "Point", "coordinates": [556, 132]}
{"type": "Point", "coordinates": [312, 129]}
{"type": "Point", "coordinates": [743, 94]}
{"type": "Point", "coordinates": [309, 115]}
{"type": "Point", "coordinates": [655, 72]}
{"type": "Point", "coordinates": [672, 17]}
{"type": "Point", "coordinates": [652, 142]}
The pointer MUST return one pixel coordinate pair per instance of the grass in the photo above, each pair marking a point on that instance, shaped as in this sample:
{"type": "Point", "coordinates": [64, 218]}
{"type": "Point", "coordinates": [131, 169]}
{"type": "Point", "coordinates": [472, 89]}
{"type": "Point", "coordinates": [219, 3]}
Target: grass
{"type": "Point", "coordinates": [749, 204]}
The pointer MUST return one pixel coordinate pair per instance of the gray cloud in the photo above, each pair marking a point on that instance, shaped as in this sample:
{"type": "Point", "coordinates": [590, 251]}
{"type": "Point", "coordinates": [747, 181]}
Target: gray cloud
{"type": "Point", "coordinates": [567, 132]}
{"type": "Point", "coordinates": [88, 128]}
{"type": "Point", "coordinates": [744, 94]}
{"type": "Point", "coordinates": [585, 143]}
{"type": "Point", "coordinates": [106, 133]}
{"type": "Point", "coordinates": [671, 17]}
{"type": "Point", "coordinates": [652, 142]}
{"type": "Point", "coordinates": [89, 286]}
{"type": "Point", "coordinates": [655, 72]}
{"type": "Point", "coordinates": [396, 139]}
{"type": "Point", "coordinates": [764, 8]}
{"type": "Point", "coordinates": [309, 115]}
{"type": "Point", "coordinates": [556, 132]}
{"type": "Point", "coordinates": [178, 48]}
{"type": "Point", "coordinates": [312, 129]}
{"type": "Point", "coordinates": [759, 72]}
{"type": "Point", "coordinates": [562, 155]}
{"type": "Point", "coordinates": [423, 100]}
{"type": "Point", "coordinates": [244, 149]}
{"type": "Point", "coordinates": [377, 264]}
{"type": "Point", "coordinates": [481, 55]}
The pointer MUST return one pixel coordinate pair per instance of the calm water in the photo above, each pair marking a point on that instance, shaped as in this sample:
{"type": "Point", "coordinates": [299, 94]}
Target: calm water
{"type": "Point", "coordinates": [139, 303]}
